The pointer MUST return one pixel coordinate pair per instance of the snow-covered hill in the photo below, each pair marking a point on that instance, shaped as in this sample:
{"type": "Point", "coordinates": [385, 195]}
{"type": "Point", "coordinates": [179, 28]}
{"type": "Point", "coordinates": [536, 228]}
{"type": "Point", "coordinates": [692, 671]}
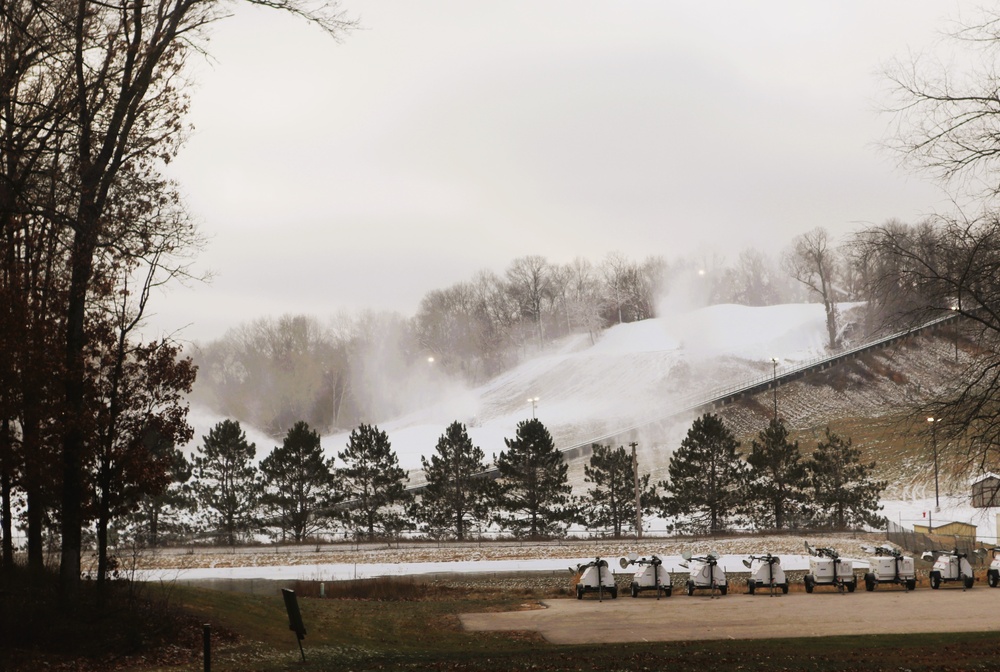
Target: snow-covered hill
{"type": "Point", "coordinates": [634, 372]}
{"type": "Point", "coordinates": [585, 390]}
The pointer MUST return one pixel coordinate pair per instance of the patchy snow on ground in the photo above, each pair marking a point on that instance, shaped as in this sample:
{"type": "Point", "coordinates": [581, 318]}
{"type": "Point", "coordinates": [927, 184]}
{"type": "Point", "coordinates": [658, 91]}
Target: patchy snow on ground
{"type": "Point", "coordinates": [344, 561]}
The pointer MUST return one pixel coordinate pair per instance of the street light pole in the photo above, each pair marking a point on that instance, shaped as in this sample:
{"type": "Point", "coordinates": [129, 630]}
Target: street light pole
{"type": "Point", "coordinates": [534, 402]}
{"type": "Point", "coordinates": [937, 499]}
{"type": "Point", "coordinates": [774, 384]}
{"type": "Point", "coordinates": [638, 507]}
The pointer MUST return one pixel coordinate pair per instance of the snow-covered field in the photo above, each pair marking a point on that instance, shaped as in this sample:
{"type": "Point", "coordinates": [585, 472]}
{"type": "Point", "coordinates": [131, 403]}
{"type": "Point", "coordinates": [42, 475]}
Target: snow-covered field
{"type": "Point", "coordinates": [329, 563]}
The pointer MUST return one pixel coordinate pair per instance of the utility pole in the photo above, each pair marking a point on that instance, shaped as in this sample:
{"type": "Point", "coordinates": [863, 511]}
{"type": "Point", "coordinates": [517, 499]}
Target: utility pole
{"type": "Point", "coordinates": [635, 476]}
{"type": "Point", "coordinates": [937, 498]}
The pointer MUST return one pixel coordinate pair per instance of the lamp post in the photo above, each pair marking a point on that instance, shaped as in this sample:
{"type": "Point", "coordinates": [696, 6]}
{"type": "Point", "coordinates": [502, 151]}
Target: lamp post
{"type": "Point", "coordinates": [638, 501]}
{"type": "Point", "coordinates": [937, 499]}
{"type": "Point", "coordinates": [534, 402]}
{"type": "Point", "coordinates": [774, 384]}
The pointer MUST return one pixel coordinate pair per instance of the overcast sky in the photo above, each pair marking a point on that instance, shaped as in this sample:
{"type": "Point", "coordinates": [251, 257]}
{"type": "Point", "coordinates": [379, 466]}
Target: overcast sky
{"type": "Point", "coordinates": [445, 137]}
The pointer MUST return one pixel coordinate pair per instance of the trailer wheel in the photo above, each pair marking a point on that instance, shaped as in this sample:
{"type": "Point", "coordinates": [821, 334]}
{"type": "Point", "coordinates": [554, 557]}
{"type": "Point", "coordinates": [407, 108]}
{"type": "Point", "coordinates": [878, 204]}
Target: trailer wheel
{"type": "Point", "coordinates": [852, 585]}
{"type": "Point", "coordinates": [751, 586]}
{"type": "Point", "coordinates": [810, 582]}
{"type": "Point", "coordinates": [968, 581]}
{"type": "Point", "coordinates": [869, 582]}
{"type": "Point", "coordinates": [911, 584]}
{"type": "Point", "coordinates": [668, 590]}
{"type": "Point", "coordinates": [579, 592]}
{"type": "Point", "coordinates": [993, 578]}
{"type": "Point", "coordinates": [935, 578]}
{"type": "Point", "coordinates": [723, 590]}
{"type": "Point", "coordinates": [635, 589]}
{"type": "Point", "coordinates": [614, 593]}
{"type": "Point", "coordinates": [690, 587]}
{"type": "Point", "coordinates": [784, 588]}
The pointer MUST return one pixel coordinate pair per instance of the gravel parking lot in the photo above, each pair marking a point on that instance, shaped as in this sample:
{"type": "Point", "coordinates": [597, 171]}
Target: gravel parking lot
{"type": "Point", "coordinates": [741, 616]}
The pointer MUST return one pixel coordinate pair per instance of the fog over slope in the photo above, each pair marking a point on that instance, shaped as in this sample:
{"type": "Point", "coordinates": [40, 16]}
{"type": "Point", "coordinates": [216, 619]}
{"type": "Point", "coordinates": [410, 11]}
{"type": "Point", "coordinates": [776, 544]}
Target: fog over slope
{"type": "Point", "coordinates": [636, 372]}
{"type": "Point", "coordinates": [631, 374]}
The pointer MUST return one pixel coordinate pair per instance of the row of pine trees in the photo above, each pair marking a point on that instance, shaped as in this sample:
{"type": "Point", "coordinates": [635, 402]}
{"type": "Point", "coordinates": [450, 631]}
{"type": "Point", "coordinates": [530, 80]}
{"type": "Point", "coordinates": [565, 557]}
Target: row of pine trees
{"type": "Point", "coordinates": [297, 494]}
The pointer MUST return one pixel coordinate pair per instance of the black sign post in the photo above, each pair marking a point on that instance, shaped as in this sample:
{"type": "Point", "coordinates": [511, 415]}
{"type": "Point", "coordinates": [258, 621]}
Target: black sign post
{"type": "Point", "coordinates": [294, 618]}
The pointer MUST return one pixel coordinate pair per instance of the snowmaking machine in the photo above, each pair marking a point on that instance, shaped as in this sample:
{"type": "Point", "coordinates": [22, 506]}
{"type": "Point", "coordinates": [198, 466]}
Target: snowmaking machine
{"type": "Point", "coordinates": [766, 572]}
{"type": "Point", "coordinates": [704, 573]}
{"type": "Point", "coordinates": [595, 577]}
{"type": "Point", "coordinates": [950, 566]}
{"type": "Point", "coordinates": [650, 575]}
{"type": "Point", "coordinates": [827, 568]}
{"type": "Point", "coordinates": [889, 566]}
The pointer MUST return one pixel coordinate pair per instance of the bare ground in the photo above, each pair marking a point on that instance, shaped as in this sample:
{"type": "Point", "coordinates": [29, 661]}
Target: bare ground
{"type": "Point", "coordinates": [744, 616]}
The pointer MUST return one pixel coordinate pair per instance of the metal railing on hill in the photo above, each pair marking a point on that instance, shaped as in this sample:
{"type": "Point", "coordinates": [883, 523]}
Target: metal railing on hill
{"type": "Point", "coordinates": [712, 398]}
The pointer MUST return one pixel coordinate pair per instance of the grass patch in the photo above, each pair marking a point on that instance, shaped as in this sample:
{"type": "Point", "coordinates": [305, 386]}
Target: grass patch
{"type": "Point", "coordinates": [364, 629]}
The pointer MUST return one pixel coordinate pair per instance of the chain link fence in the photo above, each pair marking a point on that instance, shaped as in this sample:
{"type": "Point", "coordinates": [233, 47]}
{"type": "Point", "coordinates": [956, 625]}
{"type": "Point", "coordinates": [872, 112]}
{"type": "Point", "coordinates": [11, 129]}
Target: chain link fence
{"type": "Point", "coordinates": [918, 542]}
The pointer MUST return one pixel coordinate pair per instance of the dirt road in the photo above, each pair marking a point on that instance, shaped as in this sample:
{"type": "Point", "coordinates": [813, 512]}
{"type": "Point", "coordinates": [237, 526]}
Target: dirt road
{"type": "Point", "coordinates": [736, 616]}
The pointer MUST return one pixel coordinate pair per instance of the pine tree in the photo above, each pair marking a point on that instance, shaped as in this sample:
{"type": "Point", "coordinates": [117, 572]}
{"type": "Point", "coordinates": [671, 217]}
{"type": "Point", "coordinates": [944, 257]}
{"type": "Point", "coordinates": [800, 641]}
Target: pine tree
{"type": "Point", "coordinates": [535, 490]}
{"type": "Point", "coordinates": [162, 515]}
{"type": "Point", "coordinates": [299, 482]}
{"type": "Point", "coordinates": [227, 483]}
{"type": "Point", "coordinates": [458, 495]}
{"type": "Point", "coordinates": [844, 493]}
{"type": "Point", "coordinates": [611, 502]}
{"type": "Point", "coordinates": [777, 493]}
{"type": "Point", "coordinates": [707, 478]}
{"type": "Point", "coordinates": [372, 483]}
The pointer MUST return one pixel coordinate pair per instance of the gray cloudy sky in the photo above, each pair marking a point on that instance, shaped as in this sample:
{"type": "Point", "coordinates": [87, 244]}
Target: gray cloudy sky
{"type": "Point", "coordinates": [444, 137]}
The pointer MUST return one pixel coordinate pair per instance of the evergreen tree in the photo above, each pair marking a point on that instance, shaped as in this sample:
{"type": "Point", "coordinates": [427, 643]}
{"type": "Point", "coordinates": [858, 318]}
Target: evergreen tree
{"type": "Point", "coordinates": [535, 491]}
{"type": "Point", "coordinates": [299, 482]}
{"type": "Point", "coordinates": [227, 483]}
{"type": "Point", "coordinates": [372, 483]}
{"type": "Point", "coordinates": [458, 494]}
{"type": "Point", "coordinates": [777, 493]}
{"type": "Point", "coordinates": [707, 478]}
{"type": "Point", "coordinates": [611, 502]}
{"type": "Point", "coordinates": [162, 515]}
{"type": "Point", "coordinates": [844, 492]}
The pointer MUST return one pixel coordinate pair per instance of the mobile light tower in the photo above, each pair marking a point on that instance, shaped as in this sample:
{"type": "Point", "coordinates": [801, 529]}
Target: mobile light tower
{"type": "Point", "coordinates": [937, 499]}
{"type": "Point", "coordinates": [534, 404]}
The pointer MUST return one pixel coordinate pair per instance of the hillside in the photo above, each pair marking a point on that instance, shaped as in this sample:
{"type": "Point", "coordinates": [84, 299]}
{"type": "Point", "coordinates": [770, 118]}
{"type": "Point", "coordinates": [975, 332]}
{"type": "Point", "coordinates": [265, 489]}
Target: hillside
{"type": "Point", "coordinates": [634, 372]}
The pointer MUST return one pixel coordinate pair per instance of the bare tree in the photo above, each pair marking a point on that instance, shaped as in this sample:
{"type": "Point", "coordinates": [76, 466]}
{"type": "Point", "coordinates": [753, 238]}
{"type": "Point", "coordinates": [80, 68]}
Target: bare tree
{"type": "Point", "coordinates": [529, 285]}
{"type": "Point", "coordinates": [813, 262]}
{"type": "Point", "coordinates": [951, 267]}
{"type": "Point", "coordinates": [947, 122]}
{"type": "Point", "coordinates": [127, 101]}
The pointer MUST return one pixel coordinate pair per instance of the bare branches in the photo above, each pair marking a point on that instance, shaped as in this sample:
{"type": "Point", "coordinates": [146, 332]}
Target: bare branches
{"type": "Point", "coordinates": [328, 16]}
{"type": "Point", "coordinates": [949, 124]}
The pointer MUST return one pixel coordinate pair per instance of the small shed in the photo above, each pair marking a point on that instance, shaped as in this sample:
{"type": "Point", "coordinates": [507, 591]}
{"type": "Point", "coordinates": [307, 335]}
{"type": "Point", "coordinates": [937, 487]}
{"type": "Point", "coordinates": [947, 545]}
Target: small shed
{"type": "Point", "coordinates": [986, 491]}
{"type": "Point", "coordinates": [959, 530]}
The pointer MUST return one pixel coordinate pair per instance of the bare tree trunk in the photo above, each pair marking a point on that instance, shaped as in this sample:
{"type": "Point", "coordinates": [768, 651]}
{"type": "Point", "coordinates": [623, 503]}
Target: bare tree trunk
{"type": "Point", "coordinates": [6, 528]}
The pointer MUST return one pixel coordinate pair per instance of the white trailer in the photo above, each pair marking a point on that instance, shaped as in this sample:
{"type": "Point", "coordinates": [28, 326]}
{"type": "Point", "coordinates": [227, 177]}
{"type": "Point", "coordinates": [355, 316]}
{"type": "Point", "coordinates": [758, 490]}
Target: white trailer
{"type": "Point", "coordinates": [595, 577]}
{"type": "Point", "coordinates": [827, 568]}
{"type": "Point", "coordinates": [650, 575]}
{"type": "Point", "coordinates": [950, 566]}
{"type": "Point", "coordinates": [993, 573]}
{"type": "Point", "coordinates": [766, 572]}
{"type": "Point", "coordinates": [889, 566]}
{"type": "Point", "coordinates": [704, 573]}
